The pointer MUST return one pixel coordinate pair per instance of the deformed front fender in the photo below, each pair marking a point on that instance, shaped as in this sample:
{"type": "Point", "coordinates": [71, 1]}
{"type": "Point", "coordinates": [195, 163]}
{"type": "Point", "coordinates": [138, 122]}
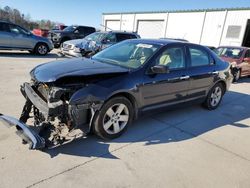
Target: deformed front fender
{"type": "Point", "coordinates": [90, 94]}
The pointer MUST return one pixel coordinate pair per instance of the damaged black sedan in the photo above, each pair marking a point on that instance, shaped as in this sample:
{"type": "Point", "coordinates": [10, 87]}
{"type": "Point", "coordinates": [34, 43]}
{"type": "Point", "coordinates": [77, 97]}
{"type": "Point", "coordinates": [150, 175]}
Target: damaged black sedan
{"type": "Point", "coordinates": [69, 99]}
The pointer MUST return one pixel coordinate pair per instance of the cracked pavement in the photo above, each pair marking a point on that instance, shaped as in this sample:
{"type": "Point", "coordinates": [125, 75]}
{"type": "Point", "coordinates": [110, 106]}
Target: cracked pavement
{"type": "Point", "coordinates": [184, 147]}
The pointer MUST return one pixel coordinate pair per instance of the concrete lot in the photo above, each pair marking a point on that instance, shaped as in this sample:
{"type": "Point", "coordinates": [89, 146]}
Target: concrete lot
{"type": "Point", "coordinates": [188, 147]}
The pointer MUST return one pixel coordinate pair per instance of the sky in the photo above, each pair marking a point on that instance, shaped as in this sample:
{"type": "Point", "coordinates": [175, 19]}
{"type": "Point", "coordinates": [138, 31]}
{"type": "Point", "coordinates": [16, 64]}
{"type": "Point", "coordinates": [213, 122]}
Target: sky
{"type": "Point", "coordinates": [85, 12]}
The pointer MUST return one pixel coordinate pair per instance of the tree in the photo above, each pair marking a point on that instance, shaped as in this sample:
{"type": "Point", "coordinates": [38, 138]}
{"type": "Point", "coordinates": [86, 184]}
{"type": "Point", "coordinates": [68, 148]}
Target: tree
{"type": "Point", "coordinates": [15, 16]}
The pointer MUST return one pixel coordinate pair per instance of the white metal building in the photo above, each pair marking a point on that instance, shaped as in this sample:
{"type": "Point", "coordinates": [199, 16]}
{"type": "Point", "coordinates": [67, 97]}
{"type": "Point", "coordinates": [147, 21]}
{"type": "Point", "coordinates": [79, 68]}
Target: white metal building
{"type": "Point", "coordinates": [212, 27]}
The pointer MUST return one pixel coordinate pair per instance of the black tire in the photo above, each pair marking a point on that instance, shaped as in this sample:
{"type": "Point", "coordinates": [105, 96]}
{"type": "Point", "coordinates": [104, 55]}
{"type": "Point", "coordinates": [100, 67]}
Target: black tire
{"type": "Point", "coordinates": [208, 103]}
{"type": "Point", "coordinates": [237, 75]}
{"type": "Point", "coordinates": [41, 49]}
{"type": "Point", "coordinates": [102, 116]}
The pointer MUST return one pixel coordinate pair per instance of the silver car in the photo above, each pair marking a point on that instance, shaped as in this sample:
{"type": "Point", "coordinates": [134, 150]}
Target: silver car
{"type": "Point", "coordinates": [14, 37]}
{"type": "Point", "coordinates": [95, 42]}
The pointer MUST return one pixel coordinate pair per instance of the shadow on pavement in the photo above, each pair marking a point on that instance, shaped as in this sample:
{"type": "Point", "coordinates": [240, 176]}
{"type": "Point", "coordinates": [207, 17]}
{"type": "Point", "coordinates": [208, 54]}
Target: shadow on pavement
{"type": "Point", "coordinates": [24, 54]}
{"type": "Point", "coordinates": [177, 125]}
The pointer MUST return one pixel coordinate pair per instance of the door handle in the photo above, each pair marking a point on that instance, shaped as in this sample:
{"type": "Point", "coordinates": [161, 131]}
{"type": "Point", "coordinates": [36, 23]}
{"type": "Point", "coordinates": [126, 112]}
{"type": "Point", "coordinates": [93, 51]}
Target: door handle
{"type": "Point", "coordinates": [184, 77]}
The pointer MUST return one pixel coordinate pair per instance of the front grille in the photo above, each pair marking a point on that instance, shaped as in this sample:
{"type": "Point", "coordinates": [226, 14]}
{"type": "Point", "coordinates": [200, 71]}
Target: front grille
{"type": "Point", "coordinates": [67, 46]}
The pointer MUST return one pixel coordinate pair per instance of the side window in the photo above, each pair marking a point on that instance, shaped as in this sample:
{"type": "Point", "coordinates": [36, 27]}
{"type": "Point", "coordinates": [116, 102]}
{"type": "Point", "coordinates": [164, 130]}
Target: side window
{"type": "Point", "coordinates": [121, 37]}
{"type": "Point", "coordinates": [17, 30]}
{"type": "Point", "coordinates": [172, 57]}
{"type": "Point", "coordinates": [199, 57]}
{"type": "Point", "coordinates": [89, 30]}
{"type": "Point", "coordinates": [4, 27]}
{"type": "Point", "coordinates": [81, 30]}
{"type": "Point", "coordinates": [111, 38]}
{"type": "Point", "coordinates": [247, 54]}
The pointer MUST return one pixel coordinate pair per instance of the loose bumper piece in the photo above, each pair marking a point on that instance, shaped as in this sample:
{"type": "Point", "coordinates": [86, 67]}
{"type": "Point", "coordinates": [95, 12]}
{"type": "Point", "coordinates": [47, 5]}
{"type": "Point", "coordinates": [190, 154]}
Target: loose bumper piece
{"type": "Point", "coordinates": [25, 132]}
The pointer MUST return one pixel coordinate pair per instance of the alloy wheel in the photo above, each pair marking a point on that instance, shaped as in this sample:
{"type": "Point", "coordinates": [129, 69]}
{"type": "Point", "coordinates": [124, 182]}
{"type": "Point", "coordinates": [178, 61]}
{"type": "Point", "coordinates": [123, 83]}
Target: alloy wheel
{"type": "Point", "coordinates": [116, 118]}
{"type": "Point", "coordinates": [42, 49]}
{"type": "Point", "coordinates": [216, 96]}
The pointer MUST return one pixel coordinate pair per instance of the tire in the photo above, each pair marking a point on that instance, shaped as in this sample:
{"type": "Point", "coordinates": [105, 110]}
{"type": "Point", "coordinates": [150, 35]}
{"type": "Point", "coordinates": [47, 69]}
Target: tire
{"type": "Point", "coordinates": [41, 49]}
{"type": "Point", "coordinates": [110, 114]}
{"type": "Point", "coordinates": [214, 97]}
{"type": "Point", "coordinates": [237, 75]}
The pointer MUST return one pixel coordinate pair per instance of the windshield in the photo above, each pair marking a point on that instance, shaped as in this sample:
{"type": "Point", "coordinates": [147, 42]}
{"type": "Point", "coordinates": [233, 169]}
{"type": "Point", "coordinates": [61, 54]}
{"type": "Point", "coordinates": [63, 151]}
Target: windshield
{"type": "Point", "coordinates": [96, 36]}
{"type": "Point", "coordinates": [70, 28]}
{"type": "Point", "coordinates": [234, 53]}
{"type": "Point", "coordinates": [129, 54]}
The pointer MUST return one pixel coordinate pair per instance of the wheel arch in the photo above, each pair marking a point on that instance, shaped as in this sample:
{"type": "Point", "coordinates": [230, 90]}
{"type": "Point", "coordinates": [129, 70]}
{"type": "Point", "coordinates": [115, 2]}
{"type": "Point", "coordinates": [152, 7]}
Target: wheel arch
{"type": "Point", "coordinates": [41, 42]}
{"type": "Point", "coordinates": [223, 83]}
{"type": "Point", "coordinates": [130, 97]}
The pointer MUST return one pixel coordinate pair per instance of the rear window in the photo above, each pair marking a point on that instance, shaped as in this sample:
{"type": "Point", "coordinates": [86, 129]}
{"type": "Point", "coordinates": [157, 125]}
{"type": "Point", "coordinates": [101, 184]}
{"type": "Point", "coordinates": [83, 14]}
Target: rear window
{"type": "Point", "coordinates": [198, 57]}
{"type": "Point", "coordinates": [234, 53]}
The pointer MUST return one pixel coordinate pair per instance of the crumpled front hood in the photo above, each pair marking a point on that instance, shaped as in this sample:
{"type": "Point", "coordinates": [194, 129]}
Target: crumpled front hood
{"type": "Point", "coordinates": [76, 41]}
{"type": "Point", "coordinates": [88, 45]}
{"type": "Point", "coordinates": [52, 71]}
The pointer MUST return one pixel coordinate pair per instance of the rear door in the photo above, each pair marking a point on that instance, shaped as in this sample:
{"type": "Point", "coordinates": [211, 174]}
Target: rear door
{"type": "Point", "coordinates": [202, 71]}
{"type": "Point", "coordinates": [5, 35]}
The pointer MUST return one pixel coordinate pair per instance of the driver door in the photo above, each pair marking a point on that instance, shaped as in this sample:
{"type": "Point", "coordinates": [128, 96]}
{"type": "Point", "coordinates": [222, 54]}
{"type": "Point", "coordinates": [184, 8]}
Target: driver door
{"type": "Point", "coordinates": [167, 88]}
{"type": "Point", "coordinates": [20, 38]}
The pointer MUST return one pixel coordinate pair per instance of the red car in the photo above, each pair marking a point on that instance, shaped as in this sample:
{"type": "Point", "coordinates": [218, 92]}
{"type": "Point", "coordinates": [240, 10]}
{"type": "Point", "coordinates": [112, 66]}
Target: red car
{"type": "Point", "coordinates": [239, 57]}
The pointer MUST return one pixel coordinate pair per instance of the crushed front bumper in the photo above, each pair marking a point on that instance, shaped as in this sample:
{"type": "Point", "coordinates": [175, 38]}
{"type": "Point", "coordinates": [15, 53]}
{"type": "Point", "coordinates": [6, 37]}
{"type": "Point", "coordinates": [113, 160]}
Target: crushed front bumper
{"type": "Point", "coordinates": [25, 132]}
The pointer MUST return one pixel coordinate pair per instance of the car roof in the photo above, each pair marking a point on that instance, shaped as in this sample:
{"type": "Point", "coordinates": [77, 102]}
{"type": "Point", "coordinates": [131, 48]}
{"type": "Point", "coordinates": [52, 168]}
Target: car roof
{"type": "Point", "coordinates": [122, 32]}
{"type": "Point", "coordinates": [161, 41]}
{"type": "Point", "coordinates": [4, 21]}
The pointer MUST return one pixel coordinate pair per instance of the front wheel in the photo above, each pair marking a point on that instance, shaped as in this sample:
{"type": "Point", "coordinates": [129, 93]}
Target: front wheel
{"type": "Point", "coordinates": [41, 49]}
{"type": "Point", "coordinates": [214, 97]}
{"type": "Point", "coordinates": [113, 118]}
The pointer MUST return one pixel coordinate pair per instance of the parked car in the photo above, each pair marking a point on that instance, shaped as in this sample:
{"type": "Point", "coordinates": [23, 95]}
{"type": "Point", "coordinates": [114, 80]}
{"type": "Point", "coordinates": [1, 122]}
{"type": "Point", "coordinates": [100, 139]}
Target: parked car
{"type": "Point", "coordinates": [239, 57]}
{"type": "Point", "coordinates": [69, 33]}
{"type": "Point", "coordinates": [15, 37]}
{"type": "Point", "coordinates": [106, 93]}
{"type": "Point", "coordinates": [95, 42]}
{"type": "Point", "coordinates": [59, 27]}
{"type": "Point", "coordinates": [41, 32]}
{"type": "Point", "coordinates": [211, 48]}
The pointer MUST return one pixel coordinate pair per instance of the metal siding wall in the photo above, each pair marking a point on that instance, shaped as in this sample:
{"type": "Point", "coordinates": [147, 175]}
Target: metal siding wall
{"type": "Point", "coordinates": [153, 17]}
{"type": "Point", "coordinates": [213, 27]}
{"type": "Point", "coordinates": [188, 25]}
{"type": "Point", "coordinates": [127, 22]}
{"type": "Point", "coordinates": [185, 26]}
{"type": "Point", "coordinates": [235, 18]}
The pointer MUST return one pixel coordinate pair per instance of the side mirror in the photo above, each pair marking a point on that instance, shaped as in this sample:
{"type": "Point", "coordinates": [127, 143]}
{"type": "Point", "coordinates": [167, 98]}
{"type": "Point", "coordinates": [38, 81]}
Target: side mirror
{"type": "Point", "coordinates": [160, 69]}
{"type": "Point", "coordinates": [247, 59]}
{"type": "Point", "coordinates": [76, 31]}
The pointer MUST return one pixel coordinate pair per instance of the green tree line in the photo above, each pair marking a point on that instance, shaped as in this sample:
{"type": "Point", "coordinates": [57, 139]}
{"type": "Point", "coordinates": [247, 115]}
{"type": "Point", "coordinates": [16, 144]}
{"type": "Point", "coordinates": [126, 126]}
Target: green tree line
{"type": "Point", "coordinates": [15, 16]}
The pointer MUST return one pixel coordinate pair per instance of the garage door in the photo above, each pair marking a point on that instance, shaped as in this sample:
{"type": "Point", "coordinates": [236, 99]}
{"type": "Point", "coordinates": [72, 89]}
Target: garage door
{"type": "Point", "coordinates": [113, 24]}
{"type": "Point", "coordinates": [151, 29]}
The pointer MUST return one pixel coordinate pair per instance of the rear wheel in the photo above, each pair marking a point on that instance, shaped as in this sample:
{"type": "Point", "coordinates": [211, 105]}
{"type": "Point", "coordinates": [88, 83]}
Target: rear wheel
{"type": "Point", "coordinates": [41, 49]}
{"type": "Point", "coordinates": [214, 97]}
{"type": "Point", "coordinates": [113, 118]}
